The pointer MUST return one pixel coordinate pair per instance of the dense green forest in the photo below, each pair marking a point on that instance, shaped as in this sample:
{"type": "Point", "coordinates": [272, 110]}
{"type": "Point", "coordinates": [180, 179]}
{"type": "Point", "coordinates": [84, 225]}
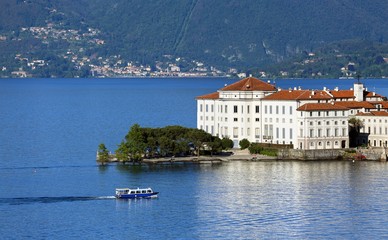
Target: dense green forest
{"type": "Point", "coordinates": [244, 35]}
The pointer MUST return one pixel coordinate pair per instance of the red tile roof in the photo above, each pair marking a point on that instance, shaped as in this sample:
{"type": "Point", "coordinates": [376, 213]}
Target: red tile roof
{"type": "Point", "coordinates": [374, 113]}
{"type": "Point", "coordinates": [355, 104]}
{"type": "Point", "coordinates": [249, 84]}
{"type": "Point", "coordinates": [215, 95]}
{"type": "Point", "coordinates": [342, 94]}
{"type": "Point", "coordinates": [298, 95]}
{"type": "Point", "coordinates": [321, 107]}
{"type": "Point", "coordinates": [373, 94]}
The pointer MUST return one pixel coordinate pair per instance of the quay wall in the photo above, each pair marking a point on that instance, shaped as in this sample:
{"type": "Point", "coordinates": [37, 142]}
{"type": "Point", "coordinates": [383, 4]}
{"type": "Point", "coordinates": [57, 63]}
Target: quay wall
{"type": "Point", "coordinates": [375, 154]}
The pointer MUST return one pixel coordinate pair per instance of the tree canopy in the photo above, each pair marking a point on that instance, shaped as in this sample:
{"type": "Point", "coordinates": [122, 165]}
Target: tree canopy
{"type": "Point", "coordinates": [168, 141]}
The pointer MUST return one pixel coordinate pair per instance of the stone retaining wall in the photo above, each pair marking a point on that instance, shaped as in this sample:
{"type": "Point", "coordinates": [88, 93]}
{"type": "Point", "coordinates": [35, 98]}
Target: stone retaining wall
{"type": "Point", "coordinates": [331, 154]}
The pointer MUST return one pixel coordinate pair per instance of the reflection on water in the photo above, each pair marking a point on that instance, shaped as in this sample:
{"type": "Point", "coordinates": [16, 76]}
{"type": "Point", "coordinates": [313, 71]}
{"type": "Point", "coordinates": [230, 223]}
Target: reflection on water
{"type": "Point", "coordinates": [300, 199]}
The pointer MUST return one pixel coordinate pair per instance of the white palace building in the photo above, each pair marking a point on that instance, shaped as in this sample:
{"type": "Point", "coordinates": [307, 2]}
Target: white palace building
{"type": "Point", "coordinates": [306, 119]}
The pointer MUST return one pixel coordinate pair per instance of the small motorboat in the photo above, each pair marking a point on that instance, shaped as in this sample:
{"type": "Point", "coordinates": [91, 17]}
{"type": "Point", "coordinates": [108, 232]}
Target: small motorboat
{"type": "Point", "coordinates": [128, 193]}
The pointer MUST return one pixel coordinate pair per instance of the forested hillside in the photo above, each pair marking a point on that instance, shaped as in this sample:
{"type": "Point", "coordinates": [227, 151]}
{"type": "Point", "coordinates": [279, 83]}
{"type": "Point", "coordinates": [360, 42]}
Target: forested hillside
{"type": "Point", "coordinates": [220, 33]}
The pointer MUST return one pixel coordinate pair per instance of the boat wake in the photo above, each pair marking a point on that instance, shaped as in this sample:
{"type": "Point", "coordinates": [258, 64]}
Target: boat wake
{"type": "Point", "coordinates": [32, 200]}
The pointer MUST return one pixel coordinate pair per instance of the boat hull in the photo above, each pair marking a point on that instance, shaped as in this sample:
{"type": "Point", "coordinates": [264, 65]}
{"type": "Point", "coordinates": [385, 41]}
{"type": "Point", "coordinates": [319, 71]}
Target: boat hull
{"type": "Point", "coordinates": [137, 195]}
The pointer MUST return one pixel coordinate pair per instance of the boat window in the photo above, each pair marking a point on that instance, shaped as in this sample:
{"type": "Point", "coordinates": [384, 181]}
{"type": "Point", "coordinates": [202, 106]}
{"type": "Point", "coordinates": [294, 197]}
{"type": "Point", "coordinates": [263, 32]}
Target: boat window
{"type": "Point", "coordinates": [138, 191]}
{"type": "Point", "coordinates": [132, 192]}
{"type": "Point", "coordinates": [143, 191]}
{"type": "Point", "coordinates": [148, 190]}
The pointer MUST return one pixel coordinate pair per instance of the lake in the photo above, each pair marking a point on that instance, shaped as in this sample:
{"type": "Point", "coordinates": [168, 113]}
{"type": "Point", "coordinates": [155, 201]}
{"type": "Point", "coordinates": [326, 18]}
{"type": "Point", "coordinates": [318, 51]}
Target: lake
{"type": "Point", "coordinates": [51, 186]}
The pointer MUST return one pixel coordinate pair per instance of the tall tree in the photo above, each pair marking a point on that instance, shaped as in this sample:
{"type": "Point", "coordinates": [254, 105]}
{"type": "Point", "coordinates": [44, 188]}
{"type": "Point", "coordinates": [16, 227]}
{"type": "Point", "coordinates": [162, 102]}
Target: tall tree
{"type": "Point", "coordinates": [355, 125]}
{"type": "Point", "coordinates": [136, 143]}
{"type": "Point", "coordinates": [102, 154]}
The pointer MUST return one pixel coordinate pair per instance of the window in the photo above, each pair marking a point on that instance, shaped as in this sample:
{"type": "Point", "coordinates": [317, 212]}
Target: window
{"type": "Point", "coordinates": [234, 119]}
{"type": "Point", "coordinates": [200, 108]}
{"type": "Point", "coordinates": [328, 132]}
{"type": "Point", "coordinates": [207, 108]}
{"type": "Point", "coordinates": [212, 108]}
{"type": "Point", "coordinates": [257, 109]}
{"type": "Point", "coordinates": [311, 133]}
{"type": "Point", "coordinates": [277, 109]}
{"type": "Point", "coordinates": [265, 109]}
{"type": "Point", "coordinates": [290, 110]}
{"type": "Point", "coordinates": [277, 132]}
{"type": "Point", "coordinates": [284, 133]}
{"type": "Point", "coordinates": [319, 132]}
{"type": "Point", "coordinates": [311, 114]}
{"type": "Point", "coordinates": [235, 132]}
{"type": "Point", "coordinates": [319, 122]}
{"type": "Point", "coordinates": [270, 109]}
{"type": "Point", "coordinates": [290, 133]}
{"type": "Point", "coordinates": [257, 119]}
{"type": "Point", "coordinates": [283, 110]}
{"type": "Point", "coordinates": [257, 132]}
{"type": "Point", "coordinates": [226, 108]}
{"type": "Point", "coordinates": [248, 109]}
{"type": "Point", "coordinates": [235, 109]}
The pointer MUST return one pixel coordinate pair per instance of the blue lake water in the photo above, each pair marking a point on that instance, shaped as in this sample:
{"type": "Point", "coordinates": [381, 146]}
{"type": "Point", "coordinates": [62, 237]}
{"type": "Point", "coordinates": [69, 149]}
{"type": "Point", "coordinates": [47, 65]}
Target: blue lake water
{"type": "Point", "coordinates": [51, 187]}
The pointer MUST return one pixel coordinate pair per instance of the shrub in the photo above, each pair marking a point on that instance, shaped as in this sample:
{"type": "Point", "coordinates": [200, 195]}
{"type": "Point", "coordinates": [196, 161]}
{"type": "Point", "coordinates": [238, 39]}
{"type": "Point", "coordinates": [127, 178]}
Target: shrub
{"type": "Point", "coordinates": [244, 143]}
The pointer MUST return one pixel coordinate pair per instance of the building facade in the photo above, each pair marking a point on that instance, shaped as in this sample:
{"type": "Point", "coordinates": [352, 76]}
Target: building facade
{"type": "Point", "coordinates": [304, 119]}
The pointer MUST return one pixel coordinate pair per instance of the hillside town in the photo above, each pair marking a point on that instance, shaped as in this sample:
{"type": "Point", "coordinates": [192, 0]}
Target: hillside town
{"type": "Point", "coordinates": [80, 59]}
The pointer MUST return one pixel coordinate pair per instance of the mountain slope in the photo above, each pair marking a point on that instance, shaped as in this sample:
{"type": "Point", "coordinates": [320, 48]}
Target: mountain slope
{"type": "Point", "coordinates": [237, 32]}
{"type": "Point", "coordinates": [222, 33]}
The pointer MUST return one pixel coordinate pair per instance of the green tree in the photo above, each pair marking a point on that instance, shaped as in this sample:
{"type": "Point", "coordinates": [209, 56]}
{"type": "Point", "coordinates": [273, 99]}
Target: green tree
{"type": "Point", "coordinates": [355, 125]}
{"type": "Point", "coordinates": [102, 154]}
{"type": "Point", "coordinates": [244, 143]}
{"type": "Point", "coordinates": [215, 145]}
{"type": "Point", "coordinates": [122, 152]}
{"type": "Point", "coordinates": [136, 143]}
{"type": "Point", "coordinates": [227, 143]}
{"type": "Point", "coordinates": [199, 137]}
